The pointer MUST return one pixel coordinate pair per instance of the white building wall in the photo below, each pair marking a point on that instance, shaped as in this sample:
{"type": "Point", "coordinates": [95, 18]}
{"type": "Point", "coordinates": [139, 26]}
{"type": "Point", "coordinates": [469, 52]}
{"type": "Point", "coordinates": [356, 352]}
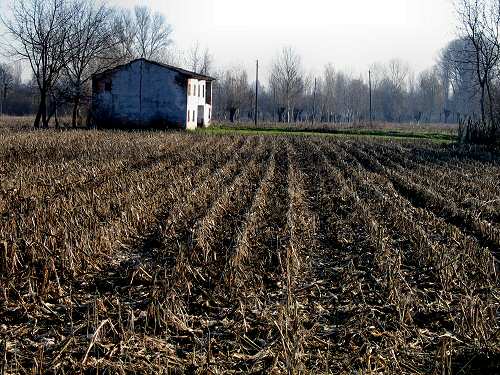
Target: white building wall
{"type": "Point", "coordinates": [196, 97]}
{"type": "Point", "coordinates": [192, 104]}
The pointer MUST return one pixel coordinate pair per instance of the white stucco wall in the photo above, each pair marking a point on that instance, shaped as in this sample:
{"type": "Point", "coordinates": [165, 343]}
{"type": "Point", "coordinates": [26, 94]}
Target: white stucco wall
{"type": "Point", "coordinates": [197, 96]}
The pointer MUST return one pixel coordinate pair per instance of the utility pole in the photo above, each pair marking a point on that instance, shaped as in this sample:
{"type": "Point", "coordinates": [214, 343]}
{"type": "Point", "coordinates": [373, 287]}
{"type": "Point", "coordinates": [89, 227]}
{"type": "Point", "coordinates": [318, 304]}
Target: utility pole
{"type": "Point", "coordinates": [257, 93]}
{"type": "Point", "coordinates": [370, 84]}
{"type": "Point", "coordinates": [314, 101]}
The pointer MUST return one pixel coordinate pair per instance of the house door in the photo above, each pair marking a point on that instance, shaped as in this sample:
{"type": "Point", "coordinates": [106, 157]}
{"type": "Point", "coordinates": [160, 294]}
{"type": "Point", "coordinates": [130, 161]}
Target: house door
{"type": "Point", "coordinates": [201, 116]}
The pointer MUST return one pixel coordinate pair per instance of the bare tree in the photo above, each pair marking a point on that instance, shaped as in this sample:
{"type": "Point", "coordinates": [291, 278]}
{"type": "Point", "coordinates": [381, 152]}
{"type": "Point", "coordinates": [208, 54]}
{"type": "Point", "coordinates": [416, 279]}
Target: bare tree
{"type": "Point", "coordinates": [378, 73]}
{"type": "Point", "coordinates": [303, 107]}
{"type": "Point", "coordinates": [398, 72]}
{"type": "Point", "coordinates": [340, 96]}
{"type": "Point", "coordinates": [141, 34]}
{"type": "Point", "coordinates": [92, 38]}
{"type": "Point", "coordinates": [125, 30]}
{"type": "Point", "coordinates": [41, 36]}
{"type": "Point", "coordinates": [328, 93]}
{"type": "Point", "coordinates": [480, 25]}
{"type": "Point", "coordinates": [173, 56]}
{"type": "Point", "coordinates": [287, 79]}
{"type": "Point", "coordinates": [206, 63]}
{"type": "Point", "coordinates": [431, 92]}
{"type": "Point", "coordinates": [199, 61]}
{"type": "Point", "coordinates": [457, 69]}
{"type": "Point", "coordinates": [390, 89]}
{"type": "Point", "coordinates": [235, 91]}
{"type": "Point", "coordinates": [357, 99]}
{"type": "Point", "coordinates": [152, 33]}
{"type": "Point", "coordinates": [6, 83]}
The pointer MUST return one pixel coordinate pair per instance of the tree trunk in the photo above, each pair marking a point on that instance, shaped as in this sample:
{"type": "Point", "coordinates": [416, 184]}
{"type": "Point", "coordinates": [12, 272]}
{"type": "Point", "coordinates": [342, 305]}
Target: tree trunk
{"type": "Point", "coordinates": [88, 122]}
{"type": "Point", "coordinates": [56, 119]}
{"type": "Point", "coordinates": [482, 82]}
{"type": "Point", "coordinates": [281, 114]}
{"type": "Point", "coordinates": [4, 99]}
{"type": "Point", "coordinates": [481, 101]}
{"type": "Point", "coordinates": [76, 107]}
{"type": "Point", "coordinates": [288, 111]}
{"type": "Point", "coordinates": [43, 109]}
{"type": "Point", "coordinates": [38, 117]}
{"type": "Point", "coordinates": [491, 115]}
{"type": "Point", "coordinates": [232, 115]}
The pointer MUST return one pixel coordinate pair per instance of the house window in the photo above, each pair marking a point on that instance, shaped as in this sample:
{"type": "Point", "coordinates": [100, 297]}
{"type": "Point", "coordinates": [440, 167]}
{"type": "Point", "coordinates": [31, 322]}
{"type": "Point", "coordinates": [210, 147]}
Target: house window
{"type": "Point", "coordinates": [189, 116]}
{"type": "Point", "coordinates": [107, 86]}
{"type": "Point", "coordinates": [203, 91]}
{"type": "Point", "coordinates": [189, 90]}
{"type": "Point", "coordinates": [209, 113]}
{"type": "Point", "coordinates": [198, 90]}
{"type": "Point", "coordinates": [194, 116]}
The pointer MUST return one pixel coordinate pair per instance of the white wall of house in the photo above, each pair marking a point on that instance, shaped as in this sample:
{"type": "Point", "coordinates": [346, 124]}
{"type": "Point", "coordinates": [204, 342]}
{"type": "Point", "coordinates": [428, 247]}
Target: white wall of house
{"type": "Point", "coordinates": [198, 111]}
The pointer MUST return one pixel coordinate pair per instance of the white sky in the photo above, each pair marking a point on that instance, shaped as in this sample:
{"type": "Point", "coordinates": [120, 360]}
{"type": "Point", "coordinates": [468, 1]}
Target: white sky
{"type": "Point", "coordinates": [351, 34]}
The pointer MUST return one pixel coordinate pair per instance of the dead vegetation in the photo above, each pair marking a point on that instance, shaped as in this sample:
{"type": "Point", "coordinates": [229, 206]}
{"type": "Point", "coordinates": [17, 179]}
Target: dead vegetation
{"type": "Point", "coordinates": [181, 253]}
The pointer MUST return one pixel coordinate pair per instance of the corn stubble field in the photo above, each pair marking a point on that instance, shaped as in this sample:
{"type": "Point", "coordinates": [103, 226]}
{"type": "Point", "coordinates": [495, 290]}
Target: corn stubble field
{"type": "Point", "coordinates": [189, 253]}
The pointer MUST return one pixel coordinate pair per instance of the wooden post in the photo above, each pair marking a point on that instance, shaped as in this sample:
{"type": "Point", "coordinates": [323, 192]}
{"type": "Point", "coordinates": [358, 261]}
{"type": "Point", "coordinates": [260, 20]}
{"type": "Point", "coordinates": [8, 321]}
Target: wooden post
{"type": "Point", "coordinates": [256, 115]}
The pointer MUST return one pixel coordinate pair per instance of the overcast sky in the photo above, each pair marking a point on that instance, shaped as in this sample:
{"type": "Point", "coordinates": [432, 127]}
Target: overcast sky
{"type": "Point", "coordinates": [351, 34]}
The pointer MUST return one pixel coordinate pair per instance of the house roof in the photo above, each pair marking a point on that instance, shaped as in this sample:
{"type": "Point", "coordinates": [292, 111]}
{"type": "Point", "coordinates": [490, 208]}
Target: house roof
{"type": "Point", "coordinates": [184, 72]}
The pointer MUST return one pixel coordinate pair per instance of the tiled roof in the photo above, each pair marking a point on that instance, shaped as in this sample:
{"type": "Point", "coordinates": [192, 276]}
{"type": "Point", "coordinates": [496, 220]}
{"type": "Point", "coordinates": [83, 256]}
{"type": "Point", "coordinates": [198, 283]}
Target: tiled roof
{"type": "Point", "coordinates": [184, 72]}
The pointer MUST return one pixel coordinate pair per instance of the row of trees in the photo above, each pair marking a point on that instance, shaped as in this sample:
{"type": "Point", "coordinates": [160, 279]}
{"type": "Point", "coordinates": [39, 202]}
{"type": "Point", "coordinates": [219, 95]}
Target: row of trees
{"type": "Point", "coordinates": [398, 94]}
{"type": "Point", "coordinates": [290, 95]}
{"type": "Point", "coordinates": [66, 41]}
{"type": "Point", "coordinates": [463, 86]}
{"type": "Point", "coordinates": [478, 54]}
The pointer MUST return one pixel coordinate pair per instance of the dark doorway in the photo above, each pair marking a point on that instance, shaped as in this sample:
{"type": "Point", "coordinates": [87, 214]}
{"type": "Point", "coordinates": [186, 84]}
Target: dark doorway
{"type": "Point", "coordinates": [201, 116]}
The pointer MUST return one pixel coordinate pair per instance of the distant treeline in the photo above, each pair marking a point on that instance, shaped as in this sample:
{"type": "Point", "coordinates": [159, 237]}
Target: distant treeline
{"type": "Point", "coordinates": [66, 41]}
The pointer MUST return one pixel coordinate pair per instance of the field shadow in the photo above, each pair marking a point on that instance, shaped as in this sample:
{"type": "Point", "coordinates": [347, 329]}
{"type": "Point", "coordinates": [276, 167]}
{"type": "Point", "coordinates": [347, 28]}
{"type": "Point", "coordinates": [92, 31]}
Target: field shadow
{"type": "Point", "coordinates": [433, 136]}
{"type": "Point", "coordinates": [456, 152]}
